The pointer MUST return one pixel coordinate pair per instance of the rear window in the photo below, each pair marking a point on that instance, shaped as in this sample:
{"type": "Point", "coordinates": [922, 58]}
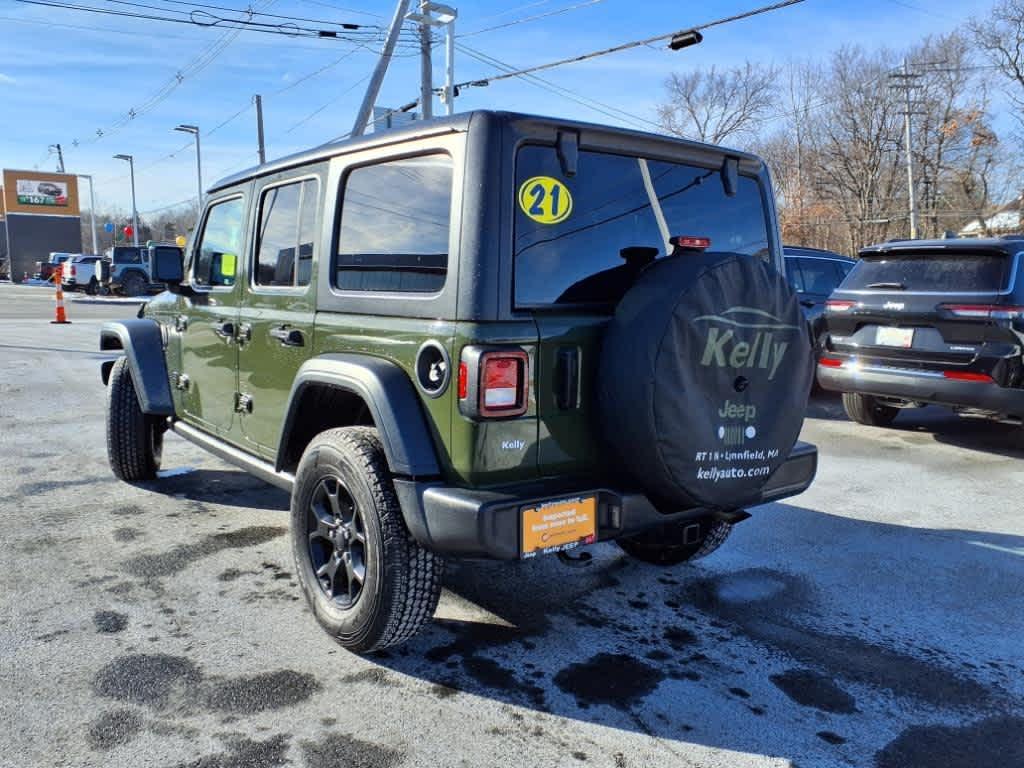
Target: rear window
{"type": "Point", "coordinates": [584, 239]}
{"type": "Point", "coordinates": [947, 272]}
{"type": "Point", "coordinates": [129, 255]}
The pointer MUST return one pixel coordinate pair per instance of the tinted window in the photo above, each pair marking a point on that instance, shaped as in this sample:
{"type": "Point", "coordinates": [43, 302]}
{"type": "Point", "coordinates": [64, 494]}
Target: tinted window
{"type": "Point", "coordinates": [611, 231]}
{"type": "Point", "coordinates": [943, 272]}
{"type": "Point", "coordinates": [286, 234]}
{"type": "Point", "coordinates": [220, 243]}
{"type": "Point", "coordinates": [794, 275]}
{"type": "Point", "coordinates": [127, 255]}
{"type": "Point", "coordinates": [820, 276]}
{"type": "Point", "coordinates": [393, 233]}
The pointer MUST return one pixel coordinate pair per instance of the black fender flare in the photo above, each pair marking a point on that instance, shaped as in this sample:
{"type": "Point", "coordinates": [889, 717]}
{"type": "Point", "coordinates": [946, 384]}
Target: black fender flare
{"type": "Point", "coordinates": [389, 395]}
{"type": "Point", "coordinates": [142, 343]}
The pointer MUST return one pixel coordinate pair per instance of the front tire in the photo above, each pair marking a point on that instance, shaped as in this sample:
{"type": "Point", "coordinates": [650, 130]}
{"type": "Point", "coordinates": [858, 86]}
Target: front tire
{"type": "Point", "coordinates": [133, 284]}
{"type": "Point", "coordinates": [134, 440]}
{"type": "Point", "coordinates": [92, 287]}
{"type": "Point", "coordinates": [866, 409]}
{"type": "Point", "coordinates": [367, 581]}
{"type": "Point", "coordinates": [663, 545]}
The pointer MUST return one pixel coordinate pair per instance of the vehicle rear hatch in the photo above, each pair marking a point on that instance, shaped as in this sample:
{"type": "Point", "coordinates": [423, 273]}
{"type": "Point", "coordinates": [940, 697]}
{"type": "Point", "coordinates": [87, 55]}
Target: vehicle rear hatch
{"type": "Point", "coordinates": [929, 306]}
{"type": "Point", "coordinates": [589, 218]}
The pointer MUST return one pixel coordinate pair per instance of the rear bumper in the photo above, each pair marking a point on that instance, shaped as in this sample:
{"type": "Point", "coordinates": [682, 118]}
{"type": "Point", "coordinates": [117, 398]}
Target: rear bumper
{"type": "Point", "coordinates": [922, 387]}
{"type": "Point", "coordinates": [486, 524]}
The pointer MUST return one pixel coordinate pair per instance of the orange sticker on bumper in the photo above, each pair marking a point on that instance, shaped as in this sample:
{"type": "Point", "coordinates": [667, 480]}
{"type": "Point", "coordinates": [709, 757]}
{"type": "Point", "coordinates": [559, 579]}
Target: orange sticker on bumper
{"type": "Point", "coordinates": [559, 525]}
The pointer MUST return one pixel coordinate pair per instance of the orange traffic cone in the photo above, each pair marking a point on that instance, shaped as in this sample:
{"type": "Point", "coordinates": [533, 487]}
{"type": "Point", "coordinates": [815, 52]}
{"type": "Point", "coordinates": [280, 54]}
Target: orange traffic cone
{"type": "Point", "coordinates": [61, 318]}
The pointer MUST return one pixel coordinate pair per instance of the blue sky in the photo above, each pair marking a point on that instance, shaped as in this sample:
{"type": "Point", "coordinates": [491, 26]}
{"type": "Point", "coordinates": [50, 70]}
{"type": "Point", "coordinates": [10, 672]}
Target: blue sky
{"type": "Point", "coordinates": [64, 74]}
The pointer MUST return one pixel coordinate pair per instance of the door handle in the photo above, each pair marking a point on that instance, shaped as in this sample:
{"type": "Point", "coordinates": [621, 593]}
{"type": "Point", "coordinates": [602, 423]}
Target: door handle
{"type": "Point", "coordinates": [226, 330]}
{"type": "Point", "coordinates": [807, 303]}
{"type": "Point", "coordinates": [288, 337]}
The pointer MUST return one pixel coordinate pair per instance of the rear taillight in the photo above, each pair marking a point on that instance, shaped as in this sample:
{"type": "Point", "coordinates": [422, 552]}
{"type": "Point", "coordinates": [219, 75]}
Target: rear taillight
{"type": "Point", "coordinates": [983, 311]}
{"type": "Point", "coordinates": [830, 362]}
{"type": "Point", "coordinates": [503, 383]}
{"type": "Point", "coordinates": [73, 271]}
{"type": "Point", "coordinates": [984, 378]}
{"type": "Point", "coordinates": [493, 383]}
{"type": "Point", "coordinates": [836, 305]}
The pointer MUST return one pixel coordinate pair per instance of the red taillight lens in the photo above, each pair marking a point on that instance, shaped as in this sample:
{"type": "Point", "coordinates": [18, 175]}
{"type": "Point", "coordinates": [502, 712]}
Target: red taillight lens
{"type": "Point", "coordinates": [830, 362]}
{"type": "Point", "coordinates": [73, 271]}
{"type": "Point", "coordinates": [984, 311]}
{"type": "Point", "coordinates": [968, 376]}
{"type": "Point", "coordinates": [463, 381]}
{"type": "Point", "coordinates": [689, 241]}
{"type": "Point", "coordinates": [503, 377]}
{"type": "Point", "coordinates": [835, 305]}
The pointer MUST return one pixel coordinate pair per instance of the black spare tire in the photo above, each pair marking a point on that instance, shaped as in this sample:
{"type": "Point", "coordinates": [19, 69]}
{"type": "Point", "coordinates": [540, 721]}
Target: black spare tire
{"type": "Point", "coordinates": [704, 376]}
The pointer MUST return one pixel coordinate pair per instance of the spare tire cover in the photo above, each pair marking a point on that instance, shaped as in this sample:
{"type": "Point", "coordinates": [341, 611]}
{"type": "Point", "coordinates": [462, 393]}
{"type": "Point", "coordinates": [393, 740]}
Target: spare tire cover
{"type": "Point", "coordinates": [704, 376]}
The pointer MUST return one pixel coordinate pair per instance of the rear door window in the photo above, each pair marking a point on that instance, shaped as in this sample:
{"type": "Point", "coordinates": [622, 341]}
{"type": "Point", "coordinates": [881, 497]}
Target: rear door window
{"type": "Point", "coordinates": [394, 230]}
{"type": "Point", "coordinates": [946, 272]}
{"type": "Point", "coordinates": [286, 235]}
{"type": "Point", "coordinates": [587, 246]}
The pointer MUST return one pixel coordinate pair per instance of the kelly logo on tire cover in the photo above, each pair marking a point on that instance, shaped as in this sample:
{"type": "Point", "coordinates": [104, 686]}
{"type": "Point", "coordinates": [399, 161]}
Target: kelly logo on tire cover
{"type": "Point", "coordinates": [746, 337]}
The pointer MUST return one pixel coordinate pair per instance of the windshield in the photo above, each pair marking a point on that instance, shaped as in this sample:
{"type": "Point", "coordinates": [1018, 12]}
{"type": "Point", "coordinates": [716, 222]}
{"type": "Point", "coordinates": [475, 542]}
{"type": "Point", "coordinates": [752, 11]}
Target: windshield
{"type": "Point", "coordinates": [584, 239]}
{"type": "Point", "coordinates": [947, 272]}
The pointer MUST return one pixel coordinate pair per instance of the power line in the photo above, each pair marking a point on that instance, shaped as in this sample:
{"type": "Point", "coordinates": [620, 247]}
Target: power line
{"type": "Point", "coordinates": [535, 17]}
{"type": "Point", "coordinates": [629, 45]}
{"type": "Point", "coordinates": [243, 11]}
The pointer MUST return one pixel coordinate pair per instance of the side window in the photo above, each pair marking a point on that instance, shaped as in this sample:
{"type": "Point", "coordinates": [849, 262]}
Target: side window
{"type": "Point", "coordinates": [794, 275]}
{"type": "Point", "coordinates": [216, 253]}
{"type": "Point", "coordinates": [821, 276]}
{"type": "Point", "coordinates": [287, 231]}
{"type": "Point", "coordinates": [394, 227]}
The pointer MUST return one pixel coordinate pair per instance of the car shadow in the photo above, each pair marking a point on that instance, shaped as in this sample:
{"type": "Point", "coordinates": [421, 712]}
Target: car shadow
{"type": "Point", "coordinates": [973, 434]}
{"type": "Point", "coordinates": [229, 487]}
{"type": "Point", "coordinates": [824, 405]}
{"type": "Point", "coordinates": [758, 660]}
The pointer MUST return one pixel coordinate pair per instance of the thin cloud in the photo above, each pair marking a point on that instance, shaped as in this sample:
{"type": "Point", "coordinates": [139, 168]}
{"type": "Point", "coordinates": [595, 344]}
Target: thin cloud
{"type": "Point", "coordinates": [6, 79]}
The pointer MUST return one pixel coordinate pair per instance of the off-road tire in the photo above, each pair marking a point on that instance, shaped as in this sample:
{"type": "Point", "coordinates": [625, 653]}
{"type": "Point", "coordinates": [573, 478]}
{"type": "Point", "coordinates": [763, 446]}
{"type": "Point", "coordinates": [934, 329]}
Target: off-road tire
{"type": "Point", "coordinates": [653, 546]}
{"type": "Point", "coordinates": [133, 284]}
{"type": "Point", "coordinates": [134, 440]}
{"type": "Point", "coordinates": [402, 580]}
{"type": "Point", "coordinates": [865, 409]}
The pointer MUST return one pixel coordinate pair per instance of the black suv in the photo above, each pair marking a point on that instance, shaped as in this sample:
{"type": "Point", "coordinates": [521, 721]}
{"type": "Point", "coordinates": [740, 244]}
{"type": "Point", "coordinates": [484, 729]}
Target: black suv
{"type": "Point", "coordinates": [922, 322]}
{"type": "Point", "coordinates": [814, 274]}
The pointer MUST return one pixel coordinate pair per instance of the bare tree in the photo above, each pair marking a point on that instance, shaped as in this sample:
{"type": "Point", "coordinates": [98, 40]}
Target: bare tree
{"type": "Point", "coordinates": [715, 105]}
{"type": "Point", "coordinates": [1000, 37]}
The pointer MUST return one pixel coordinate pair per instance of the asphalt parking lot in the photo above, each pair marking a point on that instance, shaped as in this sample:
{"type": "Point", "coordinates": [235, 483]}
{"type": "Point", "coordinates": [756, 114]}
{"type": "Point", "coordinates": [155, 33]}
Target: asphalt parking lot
{"type": "Point", "coordinates": [876, 620]}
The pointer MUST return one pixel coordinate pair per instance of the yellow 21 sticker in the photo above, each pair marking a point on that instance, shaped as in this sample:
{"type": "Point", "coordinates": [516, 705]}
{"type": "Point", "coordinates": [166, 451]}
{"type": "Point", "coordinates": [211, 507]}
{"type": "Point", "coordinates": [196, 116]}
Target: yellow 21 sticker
{"type": "Point", "coordinates": [545, 200]}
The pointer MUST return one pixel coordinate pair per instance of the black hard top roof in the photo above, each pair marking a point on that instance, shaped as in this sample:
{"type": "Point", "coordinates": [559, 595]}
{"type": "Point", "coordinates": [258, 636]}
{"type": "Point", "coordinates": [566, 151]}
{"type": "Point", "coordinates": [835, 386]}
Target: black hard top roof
{"type": "Point", "coordinates": [806, 250]}
{"type": "Point", "coordinates": [1009, 245]}
{"type": "Point", "coordinates": [441, 125]}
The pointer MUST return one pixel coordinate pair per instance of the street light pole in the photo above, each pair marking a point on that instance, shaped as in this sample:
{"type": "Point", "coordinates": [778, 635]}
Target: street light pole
{"type": "Point", "coordinates": [194, 130]}
{"type": "Point", "coordinates": [135, 212]}
{"type": "Point", "coordinates": [92, 213]}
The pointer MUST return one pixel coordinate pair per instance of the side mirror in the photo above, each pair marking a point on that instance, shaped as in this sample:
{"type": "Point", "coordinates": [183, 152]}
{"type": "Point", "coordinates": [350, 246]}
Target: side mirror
{"type": "Point", "coordinates": [168, 267]}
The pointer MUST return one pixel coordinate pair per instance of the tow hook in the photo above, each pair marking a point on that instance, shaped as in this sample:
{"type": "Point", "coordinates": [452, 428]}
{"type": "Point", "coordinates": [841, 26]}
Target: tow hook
{"type": "Point", "coordinates": [581, 560]}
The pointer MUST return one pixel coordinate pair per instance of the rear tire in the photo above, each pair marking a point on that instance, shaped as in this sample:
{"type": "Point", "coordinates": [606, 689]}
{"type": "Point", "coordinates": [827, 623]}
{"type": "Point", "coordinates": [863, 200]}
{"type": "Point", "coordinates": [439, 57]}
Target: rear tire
{"type": "Point", "coordinates": [367, 581]}
{"type": "Point", "coordinates": [92, 287]}
{"type": "Point", "coordinates": [656, 546]}
{"type": "Point", "coordinates": [866, 409]}
{"type": "Point", "coordinates": [134, 440]}
{"type": "Point", "coordinates": [133, 284]}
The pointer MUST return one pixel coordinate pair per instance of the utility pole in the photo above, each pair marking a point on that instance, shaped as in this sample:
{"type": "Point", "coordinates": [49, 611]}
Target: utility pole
{"type": "Point", "coordinates": [445, 17]}
{"type": "Point", "coordinates": [426, 66]}
{"type": "Point", "coordinates": [92, 213]}
{"type": "Point", "coordinates": [373, 88]}
{"type": "Point", "coordinates": [905, 81]}
{"type": "Point", "coordinates": [60, 157]}
{"type": "Point", "coordinates": [259, 127]}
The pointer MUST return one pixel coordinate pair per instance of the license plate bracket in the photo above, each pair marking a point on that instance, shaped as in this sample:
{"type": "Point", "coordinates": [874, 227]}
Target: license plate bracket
{"type": "Point", "coordinates": [559, 525]}
{"type": "Point", "coordinates": [886, 336]}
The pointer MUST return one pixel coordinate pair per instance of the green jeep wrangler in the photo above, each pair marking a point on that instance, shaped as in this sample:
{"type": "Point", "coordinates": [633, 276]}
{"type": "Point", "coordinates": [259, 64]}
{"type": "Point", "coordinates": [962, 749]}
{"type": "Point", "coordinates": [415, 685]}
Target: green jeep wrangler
{"type": "Point", "coordinates": [486, 336]}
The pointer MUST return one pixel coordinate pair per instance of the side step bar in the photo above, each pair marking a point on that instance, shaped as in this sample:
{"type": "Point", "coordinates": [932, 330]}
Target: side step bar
{"type": "Point", "coordinates": [264, 470]}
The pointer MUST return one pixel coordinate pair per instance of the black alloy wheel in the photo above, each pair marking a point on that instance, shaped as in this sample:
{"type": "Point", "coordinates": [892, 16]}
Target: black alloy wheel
{"type": "Point", "coordinates": [337, 542]}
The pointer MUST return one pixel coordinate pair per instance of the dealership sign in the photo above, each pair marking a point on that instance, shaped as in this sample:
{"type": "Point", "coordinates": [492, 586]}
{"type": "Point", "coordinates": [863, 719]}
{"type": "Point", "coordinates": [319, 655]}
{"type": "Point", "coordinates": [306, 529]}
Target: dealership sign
{"type": "Point", "coordinates": [33, 192]}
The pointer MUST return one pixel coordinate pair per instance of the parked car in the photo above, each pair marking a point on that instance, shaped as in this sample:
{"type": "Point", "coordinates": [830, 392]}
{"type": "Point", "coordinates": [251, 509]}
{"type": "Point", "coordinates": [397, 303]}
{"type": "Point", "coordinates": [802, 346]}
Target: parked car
{"type": "Point", "coordinates": [45, 269]}
{"type": "Point", "coordinates": [131, 267]}
{"type": "Point", "coordinates": [79, 273]}
{"type": "Point", "coordinates": [495, 367]}
{"type": "Point", "coordinates": [814, 274]}
{"type": "Point", "coordinates": [921, 322]}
